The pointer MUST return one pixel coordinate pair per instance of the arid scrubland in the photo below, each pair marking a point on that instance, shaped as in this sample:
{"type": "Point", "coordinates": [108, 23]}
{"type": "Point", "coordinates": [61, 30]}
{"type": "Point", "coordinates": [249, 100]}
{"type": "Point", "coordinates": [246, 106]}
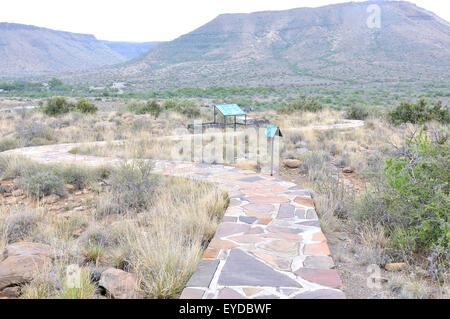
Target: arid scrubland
{"type": "Point", "coordinates": [125, 219]}
{"type": "Point", "coordinates": [370, 208]}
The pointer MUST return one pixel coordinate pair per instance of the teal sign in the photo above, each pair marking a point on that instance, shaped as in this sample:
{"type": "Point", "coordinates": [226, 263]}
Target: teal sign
{"type": "Point", "coordinates": [272, 131]}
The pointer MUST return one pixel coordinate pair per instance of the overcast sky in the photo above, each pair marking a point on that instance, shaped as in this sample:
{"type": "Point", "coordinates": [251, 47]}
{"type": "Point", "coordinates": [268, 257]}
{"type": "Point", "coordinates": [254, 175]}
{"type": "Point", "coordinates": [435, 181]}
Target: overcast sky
{"type": "Point", "coordinates": [150, 20]}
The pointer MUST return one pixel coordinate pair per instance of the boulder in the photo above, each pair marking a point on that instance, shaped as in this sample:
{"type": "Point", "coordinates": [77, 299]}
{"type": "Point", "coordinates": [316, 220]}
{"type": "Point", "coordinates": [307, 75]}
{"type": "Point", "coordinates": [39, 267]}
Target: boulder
{"type": "Point", "coordinates": [292, 163]}
{"type": "Point", "coordinates": [16, 270]}
{"type": "Point", "coordinates": [119, 284]}
{"type": "Point", "coordinates": [28, 249]}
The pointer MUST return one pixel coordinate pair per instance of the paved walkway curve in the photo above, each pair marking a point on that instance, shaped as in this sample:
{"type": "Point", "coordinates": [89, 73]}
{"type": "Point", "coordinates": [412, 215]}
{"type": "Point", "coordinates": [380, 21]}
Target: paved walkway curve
{"type": "Point", "coordinates": [269, 244]}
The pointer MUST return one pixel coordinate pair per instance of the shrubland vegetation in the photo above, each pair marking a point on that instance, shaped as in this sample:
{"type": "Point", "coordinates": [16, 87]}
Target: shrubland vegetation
{"type": "Point", "coordinates": [152, 226]}
{"type": "Point", "coordinates": [394, 207]}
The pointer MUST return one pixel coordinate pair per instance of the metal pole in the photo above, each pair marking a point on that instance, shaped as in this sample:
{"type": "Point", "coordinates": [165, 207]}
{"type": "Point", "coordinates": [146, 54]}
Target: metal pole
{"type": "Point", "coordinates": [271, 163]}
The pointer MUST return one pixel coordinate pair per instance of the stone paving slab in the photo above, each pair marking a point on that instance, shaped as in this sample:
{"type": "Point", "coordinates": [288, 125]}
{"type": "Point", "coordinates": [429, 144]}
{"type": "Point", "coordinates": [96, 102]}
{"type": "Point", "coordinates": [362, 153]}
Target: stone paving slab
{"type": "Point", "coordinates": [269, 244]}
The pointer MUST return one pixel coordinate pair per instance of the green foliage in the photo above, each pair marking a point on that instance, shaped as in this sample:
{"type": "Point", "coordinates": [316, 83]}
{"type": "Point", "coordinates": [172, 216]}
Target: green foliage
{"type": "Point", "coordinates": [58, 105]}
{"type": "Point", "coordinates": [419, 112]}
{"type": "Point", "coordinates": [413, 201]}
{"type": "Point", "coordinates": [7, 144]}
{"type": "Point", "coordinates": [357, 112]}
{"type": "Point", "coordinates": [151, 107]}
{"type": "Point", "coordinates": [77, 176]}
{"type": "Point", "coordinates": [41, 181]}
{"type": "Point", "coordinates": [55, 83]}
{"type": "Point", "coordinates": [85, 107]}
{"type": "Point", "coordinates": [302, 103]}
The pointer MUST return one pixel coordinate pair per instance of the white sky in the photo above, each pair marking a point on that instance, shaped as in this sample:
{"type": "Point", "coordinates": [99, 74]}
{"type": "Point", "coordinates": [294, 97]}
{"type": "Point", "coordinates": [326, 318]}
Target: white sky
{"type": "Point", "coordinates": [150, 20]}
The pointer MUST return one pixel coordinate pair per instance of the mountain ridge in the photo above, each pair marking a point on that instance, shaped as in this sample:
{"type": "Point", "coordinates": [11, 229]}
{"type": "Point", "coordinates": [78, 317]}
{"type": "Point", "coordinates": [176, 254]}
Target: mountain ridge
{"type": "Point", "coordinates": [302, 46]}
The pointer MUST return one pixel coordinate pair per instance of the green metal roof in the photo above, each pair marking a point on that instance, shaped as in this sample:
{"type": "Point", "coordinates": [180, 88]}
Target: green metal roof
{"type": "Point", "coordinates": [272, 131]}
{"type": "Point", "coordinates": [230, 109]}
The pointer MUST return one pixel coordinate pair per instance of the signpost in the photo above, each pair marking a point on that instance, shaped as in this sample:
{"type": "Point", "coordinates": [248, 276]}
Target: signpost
{"type": "Point", "coordinates": [271, 132]}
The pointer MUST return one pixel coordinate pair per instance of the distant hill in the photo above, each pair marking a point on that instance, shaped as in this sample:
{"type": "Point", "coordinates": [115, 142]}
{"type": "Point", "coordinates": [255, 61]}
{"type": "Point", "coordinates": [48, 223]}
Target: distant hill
{"type": "Point", "coordinates": [305, 46]}
{"type": "Point", "coordinates": [29, 51]}
{"type": "Point", "coordinates": [131, 50]}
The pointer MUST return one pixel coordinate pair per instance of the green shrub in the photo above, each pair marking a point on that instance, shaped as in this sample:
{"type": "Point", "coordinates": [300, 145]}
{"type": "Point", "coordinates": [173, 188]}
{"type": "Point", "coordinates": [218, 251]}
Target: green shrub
{"type": "Point", "coordinates": [419, 112]}
{"type": "Point", "coordinates": [57, 105]}
{"type": "Point", "coordinates": [151, 107]}
{"type": "Point", "coordinates": [7, 144]}
{"type": "Point", "coordinates": [77, 176]}
{"type": "Point", "coordinates": [357, 112]}
{"type": "Point", "coordinates": [412, 201]}
{"type": "Point", "coordinates": [41, 181]}
{"type": "Point", "coordinates": [85, 107]}
{"type": "Point", "coordinates": [302, 103]}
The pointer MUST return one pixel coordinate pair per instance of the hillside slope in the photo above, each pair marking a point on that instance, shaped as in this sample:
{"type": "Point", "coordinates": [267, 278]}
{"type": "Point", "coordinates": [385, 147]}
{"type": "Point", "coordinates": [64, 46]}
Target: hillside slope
{"type": "Point", "coordinates": [305, 46]}
{"type": "Point", "coordinates": [30, 51]}
{"type": "Point", "coordinates": [130, 50]}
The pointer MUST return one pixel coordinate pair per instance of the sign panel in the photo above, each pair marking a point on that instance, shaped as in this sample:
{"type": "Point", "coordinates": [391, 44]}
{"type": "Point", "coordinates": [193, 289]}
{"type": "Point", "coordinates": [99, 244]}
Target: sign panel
{"type": "Point", "coordinates": [272, 131]}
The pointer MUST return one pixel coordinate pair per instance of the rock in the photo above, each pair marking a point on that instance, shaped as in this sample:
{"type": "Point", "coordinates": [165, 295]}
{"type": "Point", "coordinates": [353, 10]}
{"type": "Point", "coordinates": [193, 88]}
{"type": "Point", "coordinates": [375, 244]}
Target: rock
{"type": "Point", "coordinates": [348, 170]}
{"type": "Point", "coordinates": [119, 284]}
{"type": "Point", "coordinates": [28, 249]}
{"type": "Point", "coordinates": [247, 165]}
{"type": "Point", "coordinates": [395, 266]}
{"type": "Point", "coordinates": [17, 193]}
{"type": "Point", "coordinates": [10, 293]}
{"type": "Point", "coordinates": [70, 188]}
{"type": "Point", "coordinates": [50, 199]}
{"type": "Point", "coordinates": [292, 163]}
{"type": "Point", "coordinates": [16, 270]}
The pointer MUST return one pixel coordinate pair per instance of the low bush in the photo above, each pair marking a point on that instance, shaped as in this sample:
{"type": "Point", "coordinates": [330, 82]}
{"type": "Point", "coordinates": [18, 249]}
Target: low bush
{"type": "Point", "coordinates": [40, 182]}
{"type": "Point", "coordinates": [131, 189]}
{"type": "Point", "coordinates": [302, 103]}
{"type": "Point", "coordinates": [85, 107]}
{"type": "Point", "coordinates": [412, 202]}
{"type": "Point", "coordinates": [151, 107]}
{"type": "Point", "coordinates": [58, 105]}
{"type": "Point", "coordinates": [8, 144]}
{"type": "Point", "coordinates": [419, 112]}
{"type": "Point", "coordinates": [20, 226]}
{"type": "Point", "coordinates": [357, 112]}
{"type": "Point", "coordinates": [77, 176]}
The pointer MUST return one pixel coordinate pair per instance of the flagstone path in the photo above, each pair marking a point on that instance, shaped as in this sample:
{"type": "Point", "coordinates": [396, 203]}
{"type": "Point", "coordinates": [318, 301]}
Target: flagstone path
{"type": "Point", "coordinates": [269, 244]}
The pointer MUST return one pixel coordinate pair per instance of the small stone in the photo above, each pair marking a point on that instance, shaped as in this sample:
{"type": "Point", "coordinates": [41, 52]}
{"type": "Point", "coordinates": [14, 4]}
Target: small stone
{"type": "Point", "coordinates": [51, 199]}
{"type": "Point", "coordinates": [119, 284]}
{"type": "Point", "coordinates": [292, 163]}
{"type": "Point", "coordinates": [17, 193]}
{"type": "Point", "coordinates": [70, 188]}
{"type": "Point", "coordinates": [348, 170]}
{"type": "Point", "coordinates": [395, 267]}
{"type": "Point", "coordinates": [305, 201]}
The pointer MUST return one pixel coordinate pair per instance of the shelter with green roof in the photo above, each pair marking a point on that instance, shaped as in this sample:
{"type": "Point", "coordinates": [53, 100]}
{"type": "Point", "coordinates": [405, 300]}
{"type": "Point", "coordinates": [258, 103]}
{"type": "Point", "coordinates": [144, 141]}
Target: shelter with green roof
{"type": "Point", "coordinates": [229, 110]}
